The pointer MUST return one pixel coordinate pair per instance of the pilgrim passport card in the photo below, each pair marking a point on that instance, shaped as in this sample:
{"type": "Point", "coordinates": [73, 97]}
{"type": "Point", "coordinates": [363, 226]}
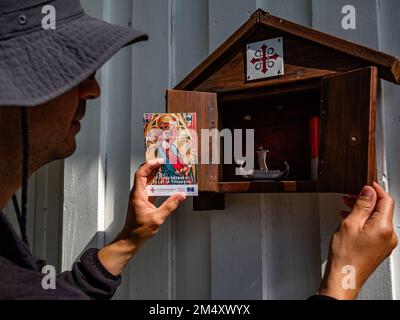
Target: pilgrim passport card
{"type": "Point", "coordinates": [173, 137]}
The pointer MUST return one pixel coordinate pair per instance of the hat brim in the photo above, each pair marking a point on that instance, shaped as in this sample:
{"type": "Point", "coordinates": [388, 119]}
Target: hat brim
{"type": "Point", "coordinates": [39, 66]}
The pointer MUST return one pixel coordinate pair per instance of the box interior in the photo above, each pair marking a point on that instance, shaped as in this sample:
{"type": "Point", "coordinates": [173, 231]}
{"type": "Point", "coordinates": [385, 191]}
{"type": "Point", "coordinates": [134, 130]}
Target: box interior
{"type": "Point", "coordinates": [281, 125]}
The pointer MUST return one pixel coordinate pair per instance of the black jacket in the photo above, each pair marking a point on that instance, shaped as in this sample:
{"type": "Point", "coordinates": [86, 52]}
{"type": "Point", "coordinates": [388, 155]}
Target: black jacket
{"type": "Point", "coordinates": [21, 279]}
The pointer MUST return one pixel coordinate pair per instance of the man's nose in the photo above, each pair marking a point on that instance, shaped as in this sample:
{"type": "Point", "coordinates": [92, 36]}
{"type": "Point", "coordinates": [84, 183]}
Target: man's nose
{"type": "Point", "coordinates": [89, 89]}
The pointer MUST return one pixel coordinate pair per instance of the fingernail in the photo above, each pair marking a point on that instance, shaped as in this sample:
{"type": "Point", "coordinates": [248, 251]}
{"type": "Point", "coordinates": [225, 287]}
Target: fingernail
{"type": "Point", "coordinates": [376, 184]}
{"type": "Point", "coordinates": [366, 193]}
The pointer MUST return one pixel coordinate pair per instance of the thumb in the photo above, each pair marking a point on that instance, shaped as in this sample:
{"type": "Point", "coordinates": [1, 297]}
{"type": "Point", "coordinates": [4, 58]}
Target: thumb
{"type": "Point", "coordinates": [170, 205]}
{"type": "Point", "coordinates": [364, 206]}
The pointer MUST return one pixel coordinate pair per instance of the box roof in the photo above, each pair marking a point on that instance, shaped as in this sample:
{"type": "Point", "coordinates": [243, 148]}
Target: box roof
{"type": "Point", "coordinates": [352, 55]}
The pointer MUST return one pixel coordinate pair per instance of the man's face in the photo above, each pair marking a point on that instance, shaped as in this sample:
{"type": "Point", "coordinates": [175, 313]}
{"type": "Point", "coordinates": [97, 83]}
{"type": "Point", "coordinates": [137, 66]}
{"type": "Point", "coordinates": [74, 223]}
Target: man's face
{"type": "Point", "coordinates": [52, 126]}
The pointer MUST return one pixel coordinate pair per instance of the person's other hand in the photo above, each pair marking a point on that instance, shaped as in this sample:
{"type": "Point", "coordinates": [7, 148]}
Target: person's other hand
{"type": "Point", "coordinates": [363, 241]}
{"type": "Point", "coordinates": [144, 219]}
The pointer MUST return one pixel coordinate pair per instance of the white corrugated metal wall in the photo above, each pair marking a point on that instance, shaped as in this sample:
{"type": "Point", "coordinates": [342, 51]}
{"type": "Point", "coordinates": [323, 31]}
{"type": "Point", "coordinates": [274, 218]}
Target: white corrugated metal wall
{"type": "Point", "coordinates": [261, 246]}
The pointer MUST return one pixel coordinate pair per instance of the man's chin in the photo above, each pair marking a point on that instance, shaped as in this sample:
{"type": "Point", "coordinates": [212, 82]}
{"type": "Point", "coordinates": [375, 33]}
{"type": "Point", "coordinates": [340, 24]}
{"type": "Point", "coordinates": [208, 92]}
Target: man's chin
{"type": "Point", "coordinates": [65, 151]}
{"type": "Point", "coordinates": [70, 150]}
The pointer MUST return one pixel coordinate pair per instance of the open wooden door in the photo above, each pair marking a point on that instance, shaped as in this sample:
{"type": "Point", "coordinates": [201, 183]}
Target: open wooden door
{"type": "Point", "coordinates": [348, 114]}
{"type": "Point", "coordinates": [205, 105]}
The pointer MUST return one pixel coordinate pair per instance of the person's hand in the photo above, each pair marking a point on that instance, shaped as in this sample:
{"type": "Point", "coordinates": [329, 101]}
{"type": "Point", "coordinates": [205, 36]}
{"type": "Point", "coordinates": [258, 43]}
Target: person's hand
{"type": "Point", "coordinates": [143, 220]}
{"type": "Point", "coordinates": [363, 241]}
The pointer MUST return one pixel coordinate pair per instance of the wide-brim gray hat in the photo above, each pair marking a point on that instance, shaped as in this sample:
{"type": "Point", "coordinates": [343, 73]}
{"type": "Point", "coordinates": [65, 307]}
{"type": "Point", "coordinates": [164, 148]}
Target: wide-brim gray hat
{"type": "Point", "coordinates": [37, 64]}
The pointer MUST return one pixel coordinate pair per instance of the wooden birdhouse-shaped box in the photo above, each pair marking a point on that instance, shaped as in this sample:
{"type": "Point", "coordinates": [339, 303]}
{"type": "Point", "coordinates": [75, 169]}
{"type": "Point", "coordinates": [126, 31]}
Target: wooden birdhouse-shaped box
{"type": "Point", "coordinates": [309, 99]}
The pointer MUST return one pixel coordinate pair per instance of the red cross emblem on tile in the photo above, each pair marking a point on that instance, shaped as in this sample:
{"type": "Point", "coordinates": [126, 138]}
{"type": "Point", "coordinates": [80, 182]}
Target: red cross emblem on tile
{"type": "Point", "coordinates": [265, 59]}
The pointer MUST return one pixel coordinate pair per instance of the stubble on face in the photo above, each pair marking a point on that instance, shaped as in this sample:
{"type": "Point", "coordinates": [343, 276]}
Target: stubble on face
{"type": "Point", "coordinates": [53, 128]}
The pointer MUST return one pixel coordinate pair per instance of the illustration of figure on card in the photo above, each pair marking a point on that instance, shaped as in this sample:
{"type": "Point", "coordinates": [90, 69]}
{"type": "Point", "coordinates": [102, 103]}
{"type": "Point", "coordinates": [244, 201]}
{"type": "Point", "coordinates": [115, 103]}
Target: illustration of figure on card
{"type": "Point", "coordinates": [172, 137]}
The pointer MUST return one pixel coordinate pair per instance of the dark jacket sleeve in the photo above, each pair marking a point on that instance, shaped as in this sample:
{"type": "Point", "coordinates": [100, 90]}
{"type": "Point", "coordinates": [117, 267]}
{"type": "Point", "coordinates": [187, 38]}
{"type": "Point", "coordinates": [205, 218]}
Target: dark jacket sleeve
{"type": "Point", "coordinates": [90, 276]}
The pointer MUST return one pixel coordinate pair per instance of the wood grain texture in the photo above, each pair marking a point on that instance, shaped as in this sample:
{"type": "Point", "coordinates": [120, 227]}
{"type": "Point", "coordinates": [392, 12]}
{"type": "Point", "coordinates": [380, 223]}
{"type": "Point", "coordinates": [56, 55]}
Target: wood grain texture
{"type": "Point", "coordinates": [191, 230]}
{"type": "Point", "coordinates": [314, 53]}
{"type": "Point", "coordinates": [369, 32]}
{"type": "Point", "coordinates": [287, 263]}
{"type": "Point", "coordinates": [292, 245]}
{"type": "Point", "coordinates": [236, 249]}
{"type": "Point", "coordinates": [209, 62]}
{"type": "Point", "coordinates": [348, 120]}
{"type": "Point", "coordinates": [268, 187]}
{"type": "Point", "coordinates": [387, 284]}
{"type": "Point", "coordinates": [151, 270]}
{"type": "Point", "coordinates": [205, 106]}
{"type": "Point", "coordinates": [207, 201]}
{"type": "Point", "coordinates": [386, 64]}
{"type": "Point", "coordinates": [270, 91]}
{"type": "Point", "coordinates": [83, 174]}
{"type": "Point", "coordinates": [116, 90]}
{"type": "Point", "coordinates": [304, 60]}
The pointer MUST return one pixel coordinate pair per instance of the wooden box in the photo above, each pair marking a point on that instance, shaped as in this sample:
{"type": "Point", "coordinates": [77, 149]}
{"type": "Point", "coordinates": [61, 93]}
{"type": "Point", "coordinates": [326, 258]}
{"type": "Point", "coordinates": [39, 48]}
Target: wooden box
{"type": "Point", "coordinates": [325, 78]}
